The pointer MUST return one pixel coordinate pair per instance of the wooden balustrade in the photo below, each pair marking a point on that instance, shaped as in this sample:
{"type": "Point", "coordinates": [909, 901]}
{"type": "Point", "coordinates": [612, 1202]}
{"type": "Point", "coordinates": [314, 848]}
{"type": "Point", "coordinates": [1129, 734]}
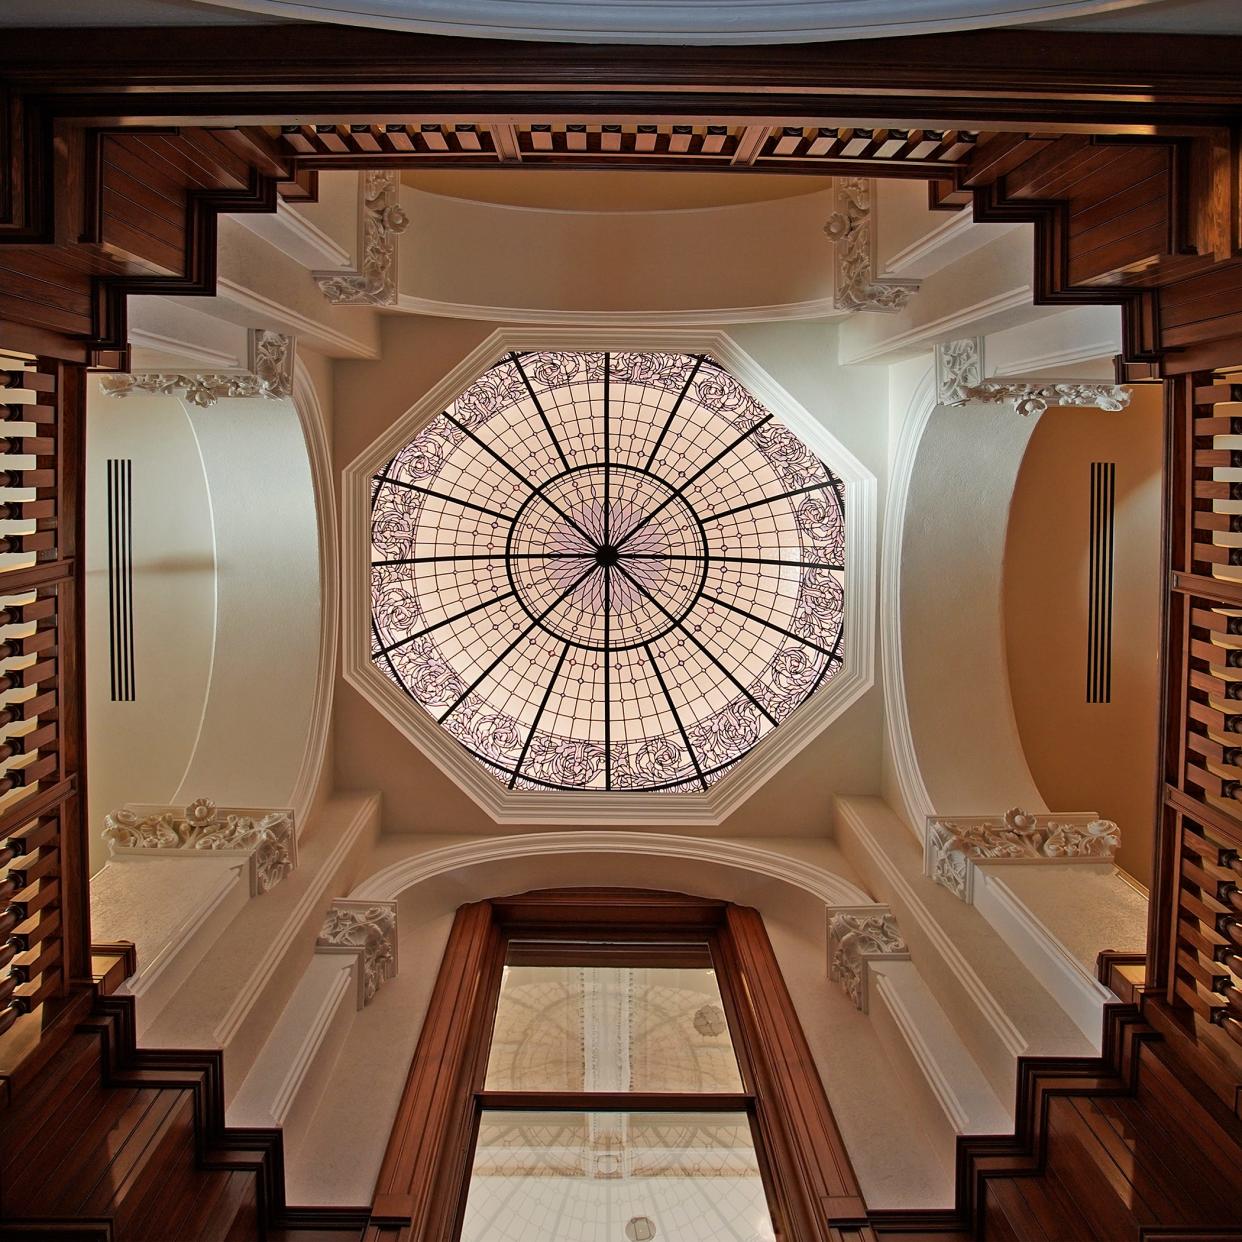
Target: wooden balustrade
{"type": "Point", "coordinates": [43, 919]}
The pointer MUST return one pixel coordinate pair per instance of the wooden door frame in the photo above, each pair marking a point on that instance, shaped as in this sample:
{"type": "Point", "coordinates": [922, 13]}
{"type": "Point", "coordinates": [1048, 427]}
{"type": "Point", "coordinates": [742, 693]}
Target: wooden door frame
{"type": "Point", "coordinates": [807, 1172]}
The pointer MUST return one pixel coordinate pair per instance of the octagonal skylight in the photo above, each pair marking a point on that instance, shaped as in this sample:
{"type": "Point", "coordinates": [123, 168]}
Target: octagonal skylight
{"type": "Point", "coordinates": [607, 571]}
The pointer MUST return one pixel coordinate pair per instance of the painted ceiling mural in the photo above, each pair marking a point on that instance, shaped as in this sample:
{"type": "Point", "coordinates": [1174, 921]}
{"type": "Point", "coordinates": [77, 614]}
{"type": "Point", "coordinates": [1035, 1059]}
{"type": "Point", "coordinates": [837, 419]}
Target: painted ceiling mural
{"type": "Point", "coordinates": [607, 571]}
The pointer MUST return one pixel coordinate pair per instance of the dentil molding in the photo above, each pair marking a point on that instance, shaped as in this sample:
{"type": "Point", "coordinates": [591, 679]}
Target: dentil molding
{"type": "Point", "coordinates": [368, 929]}
{"type": "Point", "coordinates": [269, 373]}
{"type": "Point", "coordinates": [850, 228]}
{"type": "Point", "coordinates": [952, 847]}
{"type": "Point", "coordinates": [858, 935]}
{"type": "Point", "coordinates": [382, 221]}
{"type": "Point", "coordinates": [266, 838]}
{"type": "Point", "coordinates": [960, 380]}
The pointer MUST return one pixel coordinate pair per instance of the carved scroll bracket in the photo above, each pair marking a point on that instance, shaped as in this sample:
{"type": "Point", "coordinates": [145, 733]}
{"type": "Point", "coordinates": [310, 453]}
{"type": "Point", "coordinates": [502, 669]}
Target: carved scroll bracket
{"type": "Point", "coordinates": [857, 936]}
{"type": "Point", "coordinates": [265, 838]}
{"type": "Point", "coordinates": [269, 373]}
{"type": "Point", "coordinates": [953, 847]}
{"type": "Point", "coordinates": [850, 228]}
{"type": "Point", "coordinates": [381, 221]}
{"type": "Point", "coordinates": [961, 380]}
{"type": "Point", "coordinates": [368, 929]}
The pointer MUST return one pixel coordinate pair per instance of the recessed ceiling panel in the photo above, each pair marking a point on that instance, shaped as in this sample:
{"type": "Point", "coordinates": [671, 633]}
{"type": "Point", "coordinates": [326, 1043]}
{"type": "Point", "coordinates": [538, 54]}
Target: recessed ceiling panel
{"type": "Point", "coordinates": [607, 571]}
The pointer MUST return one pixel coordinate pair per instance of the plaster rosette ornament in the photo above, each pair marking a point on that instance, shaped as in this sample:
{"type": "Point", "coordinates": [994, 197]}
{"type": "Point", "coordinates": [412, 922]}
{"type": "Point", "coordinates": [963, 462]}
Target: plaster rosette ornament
{"type": "Point", "coordinates": [857, 936]}
{"type": "Point", "coordinates": [952, 847]}
{"type": "Point", "coordinates": [850, 229]}
{"type": "Point", "coordinates": [961, 380]}
{"type": "Point", "coordinates": [269, 373]}
{"type": "Point", "coordinates": [368, 929]}
{"type": "Point", "coordinates": [381, 222]}
{"type": "Point", "coordinates": [264, 838]}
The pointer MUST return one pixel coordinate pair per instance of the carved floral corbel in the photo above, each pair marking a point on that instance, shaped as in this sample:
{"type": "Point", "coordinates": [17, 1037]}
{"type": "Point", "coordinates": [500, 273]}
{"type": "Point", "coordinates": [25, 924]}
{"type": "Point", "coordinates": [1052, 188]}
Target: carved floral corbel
{"type": "Point", "coordinates": [961, 380]}
{"type": "Point", "coordinates": [857, 936]}
{"type": "Point", "coordinates": [850, 229]}
{"type": "Point", "coordinates": [269, 373]}
{"type": "Point", "coordinates": [382, 221]}
{"type": "Point", "coordinates": [265, 837]}
{"type": "Point", "coordinates": [369, 929]}
{"type": "Point", "coordinates": [953, 846]}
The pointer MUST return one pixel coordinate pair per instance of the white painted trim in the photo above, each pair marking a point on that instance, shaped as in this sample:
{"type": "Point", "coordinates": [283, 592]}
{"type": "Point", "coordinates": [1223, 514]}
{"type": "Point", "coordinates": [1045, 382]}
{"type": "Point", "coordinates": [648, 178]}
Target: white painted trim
{"type": "Point", "coordinates": [314, 1034]}
{"type": "Point", "coordinates": [916, 912]}
{"type": "Point", "coordinates": [693, 317]}
{"type": "Point", "coordinates": [1065, 978]}
{"type": "Point", "coordinates": [295, 322]}
{"type": "Point", "coordinates": [331, 253]}
{"type": "Point", "coordinates": [946, 327]}
{"type": "Point", "coordinates": [562, 806]}
{"type": "Point", "coordinates": [389, 884]}
{"type": "Point", "coordinates": [917, 802]}
{"type": "Point", "coordinates": [920, 1050]}
{"type": "Point", "coordinates": [1057, 358]}
{"type": "Point", "coordinates": [319, 455]}
{"type": "Point", "coordinates": [252, 989]}
{"type": "Point", "coordinates": [196, 354]}
{"type": "Point", "coordinates": [922, 248]}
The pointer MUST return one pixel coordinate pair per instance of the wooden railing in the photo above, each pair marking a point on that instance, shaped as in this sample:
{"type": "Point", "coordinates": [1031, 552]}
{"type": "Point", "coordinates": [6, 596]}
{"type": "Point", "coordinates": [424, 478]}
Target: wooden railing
{"type": "Point", "coordinates": [43, 873]}
{"type": "Point", "coordinates": [1199, 881]}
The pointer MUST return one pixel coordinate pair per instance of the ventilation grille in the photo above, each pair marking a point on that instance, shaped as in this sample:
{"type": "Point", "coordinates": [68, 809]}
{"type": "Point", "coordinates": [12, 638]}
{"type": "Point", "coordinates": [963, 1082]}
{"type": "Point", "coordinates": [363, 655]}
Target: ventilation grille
{"type": "Point", "coordinates": [1100, 584]}
{"type": "Point", "coordinates": [121, 578]}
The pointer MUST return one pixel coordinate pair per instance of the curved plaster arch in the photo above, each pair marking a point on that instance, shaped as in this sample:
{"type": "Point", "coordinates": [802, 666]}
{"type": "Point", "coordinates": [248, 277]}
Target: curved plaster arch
{"type": "Point", "coordinates": [266, 696]}
{"type": "Point", "coordinates": [392, 881]}
{"type": "Point", "coordinates": [954, 737]}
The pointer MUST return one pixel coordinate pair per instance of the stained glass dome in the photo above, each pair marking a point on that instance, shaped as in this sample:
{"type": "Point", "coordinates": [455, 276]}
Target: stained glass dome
{"type": "Point", "coordinates": [607, 571]}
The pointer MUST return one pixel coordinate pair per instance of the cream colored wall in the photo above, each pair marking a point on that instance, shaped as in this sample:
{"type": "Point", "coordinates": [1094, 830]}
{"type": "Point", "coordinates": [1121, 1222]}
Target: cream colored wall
{"type": "Point", "coordinates": [1088, 756]}
{"type": "Point", "coordinates": [338, 1159]}
{"type": "Point", "coordinates": [372, 754]}
{"type": "Point", "coordinates": [139, 751]}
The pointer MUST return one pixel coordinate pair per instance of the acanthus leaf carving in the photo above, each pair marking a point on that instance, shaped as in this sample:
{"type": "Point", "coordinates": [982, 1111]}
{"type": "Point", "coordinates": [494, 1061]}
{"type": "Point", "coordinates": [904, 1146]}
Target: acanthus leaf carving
{"type": "Point", "coordinates": [266, 837]}
{"type": "Point", "coordinates": [368, 928]}
{"type": "Point", "coordinates": [850, 229]}
{"type": "Point", "coordinates": [960, 380]}
{"type": "Point", "coordinates": [269, 374]}
{"type": "Point", "coordinates": [858, 935]}
{"type": "Point", "coordinates": [953, 846]}
{"type": "Point", "coordinates": [383, 220]}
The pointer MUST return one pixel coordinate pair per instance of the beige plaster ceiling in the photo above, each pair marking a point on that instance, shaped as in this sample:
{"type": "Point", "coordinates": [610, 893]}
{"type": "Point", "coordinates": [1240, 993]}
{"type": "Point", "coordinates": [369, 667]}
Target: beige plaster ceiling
{"type": "Point", "coordinates": [549, 189]}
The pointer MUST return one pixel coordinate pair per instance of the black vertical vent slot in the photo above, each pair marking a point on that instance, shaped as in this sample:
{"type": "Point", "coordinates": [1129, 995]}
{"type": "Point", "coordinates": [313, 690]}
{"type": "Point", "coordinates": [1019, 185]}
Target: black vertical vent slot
{"type": "Point", "coordinates": [1100, 584]}
{"type": "Point", "coordinates": [121, 577]}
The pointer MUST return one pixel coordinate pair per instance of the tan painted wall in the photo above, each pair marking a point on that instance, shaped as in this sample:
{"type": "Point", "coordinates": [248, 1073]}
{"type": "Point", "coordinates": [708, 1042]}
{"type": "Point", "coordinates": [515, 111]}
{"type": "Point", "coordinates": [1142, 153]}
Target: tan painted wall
{"type": "Point", "coordinates": [1088, 756]}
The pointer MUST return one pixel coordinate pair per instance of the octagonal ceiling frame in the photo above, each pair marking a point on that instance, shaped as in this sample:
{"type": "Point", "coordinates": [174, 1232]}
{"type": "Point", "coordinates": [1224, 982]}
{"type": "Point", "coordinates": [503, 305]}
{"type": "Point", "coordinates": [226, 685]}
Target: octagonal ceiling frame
{"type": "Point", "coordinates": [561, 806]}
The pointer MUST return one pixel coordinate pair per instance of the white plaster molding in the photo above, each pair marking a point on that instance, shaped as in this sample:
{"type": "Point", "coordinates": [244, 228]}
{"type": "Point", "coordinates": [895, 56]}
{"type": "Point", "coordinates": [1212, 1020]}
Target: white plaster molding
{"type": "Point", "coordinates": [944, 243]}
{"type": "Point", "coordinates": [920, 915]}
{"type": "Point", "coordinates": [1041, 951]}
{"type": "Point", "coordinates": [925, 335]}
{"type": "Point", "coordinates": [858, 936]}
{"type": "Point", "coordinates": [1069, 357]}
{"type": "Point", "coordinates": [692, 317]}
{"type": "Point", "coordinates": [323, 481]}
{"type": "Point", "coordinates": [293, 234]}
{"type": "Point", "coordinates": [390, 883]}
{"type": "Point", "coordinates": [598, 807]}
{"type": "Point", "coordinates": [278, 945]}
{"type": "Point", "coordinates": [312, 331]}
{"type": "Point", "coordinates": [265, 838]}
{"type": "Point", "coordinates": [268, 373]}
{"type": "Point", "coordinates": [850, 228]}
{"type": "Point", "coordinates": [916, 801]}
{"type": "Point", "coordinates": [381, 221]}
{"type": "Point", "coordinates": [208, 359]}
{"type": "Point", "coordinates": [954, 846]}
{"type": "Point", "coordinates": [367, 929]}
{"type": "Point", "coordinates": [962, 380]}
